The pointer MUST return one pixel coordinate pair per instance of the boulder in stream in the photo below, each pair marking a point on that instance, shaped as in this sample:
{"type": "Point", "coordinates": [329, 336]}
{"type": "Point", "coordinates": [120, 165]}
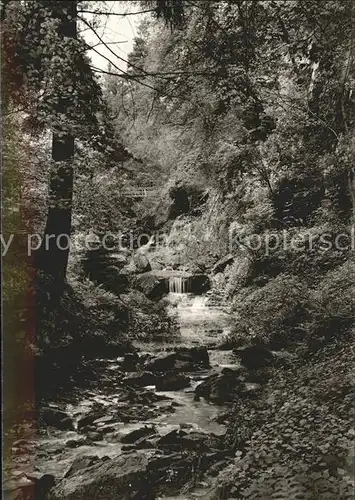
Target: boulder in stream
{"type": "Point", "coordinates": [27, 486]}
{"type": "Point", "coordinates": [255, 357]}
{"type": "Point", "coordinates": [219, 388]}
{"type": "Point", "coordinates": [182, 359]}
{"type": "Point", "coordinates": [137, 434]}
{"type": "Point", "coordinates": [172, 382]}
{"type": "Point", "coordinates": [161, 363]}
{"type": "Point", "coordinates": [54, 417]}
{"type": "Point", "coordinates": [82, 463]}
{"type": "Point", "coordinates": [179, 439]}
{"type": "Point", "coordinates": [197, 356]}
{"type": "Point", "coordinates": [140, 379]}
{"type": "Point", "coordinates": [226, 345]}
{"type": "Point", "coordinates": [90, 418]}
{"type": "Point", "coordinates": [154, 288]}
{"type": "Point", "coordinates": [75, 443]}
{"type": "Point", "coordinates": [199, 441]}
{"type": "Point", "coordinates": [130, 362]}
{"type": "Point", "coordinates": [135, 475]}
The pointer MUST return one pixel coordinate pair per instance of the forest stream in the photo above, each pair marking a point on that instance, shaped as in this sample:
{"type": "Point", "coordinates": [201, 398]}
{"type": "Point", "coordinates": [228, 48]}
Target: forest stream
{"type": "Point", "coordinates": [99, 432]}
{"type": "Point", "coordinates": [178, 249]}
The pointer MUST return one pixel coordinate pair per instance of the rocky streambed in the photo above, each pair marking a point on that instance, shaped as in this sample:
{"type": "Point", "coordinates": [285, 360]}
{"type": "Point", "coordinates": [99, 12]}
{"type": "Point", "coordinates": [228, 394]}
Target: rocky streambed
{"type": "Point", "coordinates": [149, 424]}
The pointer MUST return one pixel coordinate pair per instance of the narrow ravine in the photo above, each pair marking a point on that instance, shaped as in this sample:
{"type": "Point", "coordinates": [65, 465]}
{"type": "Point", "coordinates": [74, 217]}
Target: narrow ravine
{"type": "Point", "coordinates": [112, 409]}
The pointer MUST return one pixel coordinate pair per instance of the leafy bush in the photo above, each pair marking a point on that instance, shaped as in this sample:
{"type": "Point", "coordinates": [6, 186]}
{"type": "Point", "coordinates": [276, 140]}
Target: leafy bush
{"type": "Point", "coordinates": [334, 302]}
{"type": "Point", "coordinates": [149, 320]}
{"type": "Point", "coordinates": [296, 441]}
{"type": "Point", "coordinates": [309, 252]}
{"type": "Point", "coordinates": [337, 291]}
{"type": "Point", "coordinates": [273, 312]}
{"type": "Point", "coordinates": [296, 198]}
{"type": "Point", "coordinates": [287, 309]}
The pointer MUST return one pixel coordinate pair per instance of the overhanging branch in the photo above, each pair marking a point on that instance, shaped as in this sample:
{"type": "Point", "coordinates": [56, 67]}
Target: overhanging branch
{"type": "Point", "coordinates": [123, 14]}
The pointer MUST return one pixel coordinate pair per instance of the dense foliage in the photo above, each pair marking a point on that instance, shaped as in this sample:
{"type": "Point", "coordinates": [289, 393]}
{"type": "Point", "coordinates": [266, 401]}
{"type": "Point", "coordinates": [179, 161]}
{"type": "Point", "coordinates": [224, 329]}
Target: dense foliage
{"type": "Point", "coordinates": [296, 441]}
{"type": "Point", "coordinates": [238, 117]}
{"type": "Point", "coordinates": [252, 103]}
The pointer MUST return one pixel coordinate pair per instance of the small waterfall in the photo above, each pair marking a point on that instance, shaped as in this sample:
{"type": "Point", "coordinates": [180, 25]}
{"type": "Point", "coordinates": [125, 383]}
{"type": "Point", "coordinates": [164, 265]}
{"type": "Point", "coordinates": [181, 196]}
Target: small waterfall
{"type": "Point", "coordinates": [178, 284]}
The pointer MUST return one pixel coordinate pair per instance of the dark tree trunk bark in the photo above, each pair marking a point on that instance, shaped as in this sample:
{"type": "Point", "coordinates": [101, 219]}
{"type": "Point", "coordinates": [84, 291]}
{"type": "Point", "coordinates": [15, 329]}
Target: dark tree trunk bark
{"type": "Point", "coordinates": [352, 191]}
{"type": "Point", "coordinates": [54, 251]}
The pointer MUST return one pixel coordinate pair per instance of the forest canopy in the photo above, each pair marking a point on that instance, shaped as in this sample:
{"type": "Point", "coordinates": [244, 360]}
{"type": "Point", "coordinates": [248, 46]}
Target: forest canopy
{"type": "Point", "coordinates": [212, 164]}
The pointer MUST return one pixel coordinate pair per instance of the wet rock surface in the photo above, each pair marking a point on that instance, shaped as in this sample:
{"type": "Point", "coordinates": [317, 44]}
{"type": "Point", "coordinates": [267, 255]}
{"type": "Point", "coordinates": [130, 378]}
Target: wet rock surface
{"type": "Point", "coordinates": [56, 418]}
{"type": "Point", "coordinates": [183, 359]}
{"type": "Point", "coordinates": [130, 476]}
{"type": "Point", "coordinates": [138, 434]}
{"type": "Point", "coordinates": [31, 485]}
{"type": "Point", "coordinates": [219, 388]}
{"type": "Point", "coordinates": [154, 288]}
{"type": "Point", "coordinates": [163, 362]}
{"type": "Point", "coordinates": [172, 382]}
{"type": "Point", "coordinates": [140, 379]}
{"type": "Point", "coordinates": [255, 357]}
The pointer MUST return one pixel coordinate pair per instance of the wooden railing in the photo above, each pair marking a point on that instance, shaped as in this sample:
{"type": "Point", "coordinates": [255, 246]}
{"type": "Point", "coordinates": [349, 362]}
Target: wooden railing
{"type": "Point", "coordinates": [139, 192]}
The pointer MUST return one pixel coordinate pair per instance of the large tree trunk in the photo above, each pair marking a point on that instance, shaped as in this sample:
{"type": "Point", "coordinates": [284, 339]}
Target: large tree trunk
{"type": "Point", "coordinates": [352, 191]}
{"type": "Point", "coordinates": [54, 251]}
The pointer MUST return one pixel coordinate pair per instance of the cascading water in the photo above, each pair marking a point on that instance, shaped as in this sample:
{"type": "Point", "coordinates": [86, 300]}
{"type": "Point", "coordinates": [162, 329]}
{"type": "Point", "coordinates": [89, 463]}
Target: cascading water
{"type": "Point", "coordinates": [179, 284]}
{"type": "Point", "coordinates": [200, 324]}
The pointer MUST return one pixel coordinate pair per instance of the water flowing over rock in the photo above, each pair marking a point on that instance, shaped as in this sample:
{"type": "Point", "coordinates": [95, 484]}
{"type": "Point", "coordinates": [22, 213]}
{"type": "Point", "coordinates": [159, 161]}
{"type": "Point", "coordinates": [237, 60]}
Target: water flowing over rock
{"type": "Point", "coordinates": [194, 283]}
{"type": "Point", "coordinates": [178, 284]}
{"type": "Point", "coordinates": [121, 415]}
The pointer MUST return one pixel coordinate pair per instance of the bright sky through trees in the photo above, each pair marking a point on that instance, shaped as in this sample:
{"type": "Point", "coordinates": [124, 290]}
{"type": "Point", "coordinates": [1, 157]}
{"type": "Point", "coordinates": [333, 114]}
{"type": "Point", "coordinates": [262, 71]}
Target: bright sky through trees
{"type": "Point", "coordinates": [117, 31]}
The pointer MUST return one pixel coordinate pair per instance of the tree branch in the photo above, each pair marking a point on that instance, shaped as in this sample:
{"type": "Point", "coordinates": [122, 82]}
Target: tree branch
{"type": "Point", "coordinates": [100, 13]}
{"type": "Point", "coordinates": [127, 75]}
{"type": "Point", "coordinates": [110, 50]}
{"type": "Point", "coordinates": [89, 47]}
